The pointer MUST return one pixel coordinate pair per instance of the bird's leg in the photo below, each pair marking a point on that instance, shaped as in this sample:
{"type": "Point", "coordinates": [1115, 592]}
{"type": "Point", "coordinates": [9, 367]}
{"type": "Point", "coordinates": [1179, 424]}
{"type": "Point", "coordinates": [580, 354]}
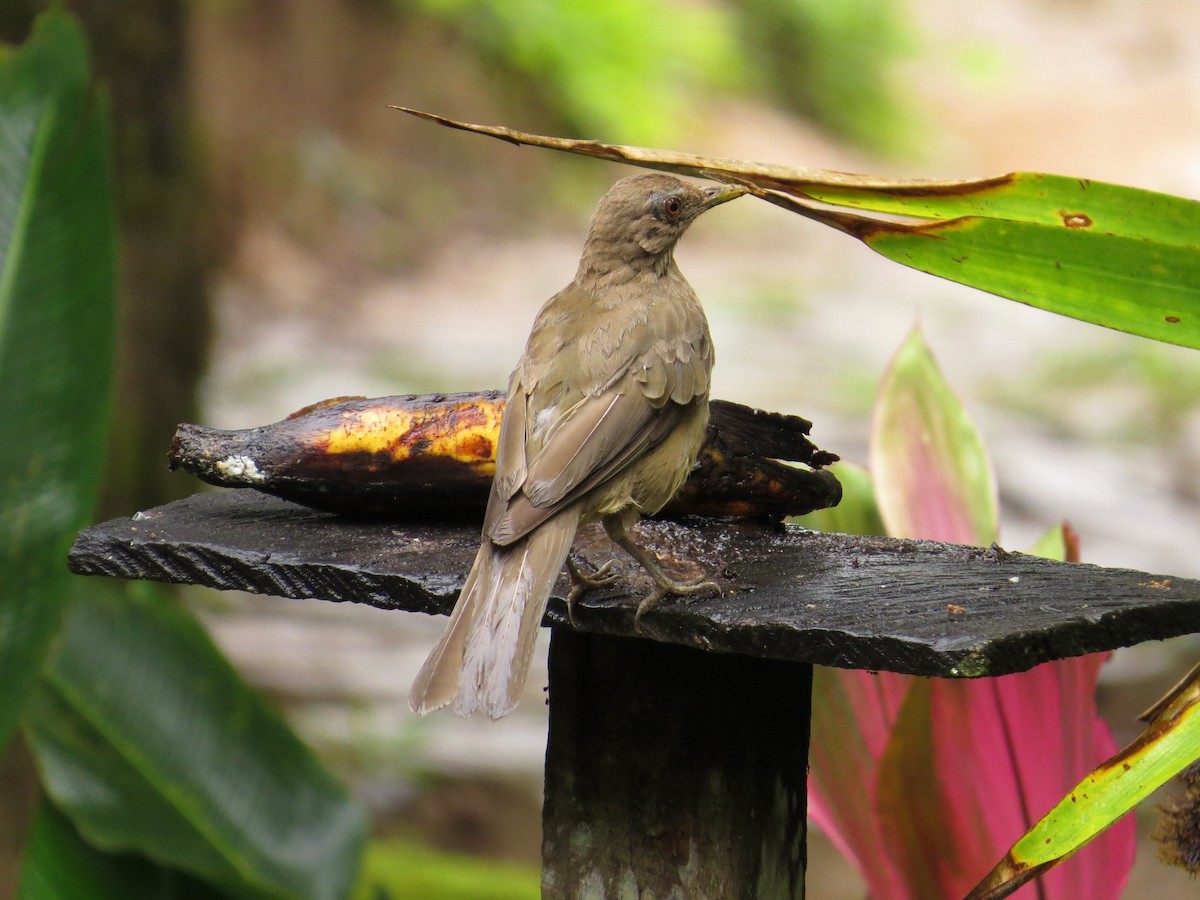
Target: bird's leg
{"type": "Point", "coordinates": [582, 582]}
{"type": "Point", "coordinates": [664, 584]}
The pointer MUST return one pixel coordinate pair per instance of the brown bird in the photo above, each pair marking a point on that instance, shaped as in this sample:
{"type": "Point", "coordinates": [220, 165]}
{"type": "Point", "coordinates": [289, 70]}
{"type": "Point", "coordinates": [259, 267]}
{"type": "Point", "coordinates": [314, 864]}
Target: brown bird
{"type": "Point", "coordinates": [606, 412]}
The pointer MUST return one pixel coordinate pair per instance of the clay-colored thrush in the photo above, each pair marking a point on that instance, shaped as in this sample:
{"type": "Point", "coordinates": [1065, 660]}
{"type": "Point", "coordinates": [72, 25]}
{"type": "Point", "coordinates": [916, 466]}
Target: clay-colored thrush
{"type": "Point", "coordinates": [606, 412]}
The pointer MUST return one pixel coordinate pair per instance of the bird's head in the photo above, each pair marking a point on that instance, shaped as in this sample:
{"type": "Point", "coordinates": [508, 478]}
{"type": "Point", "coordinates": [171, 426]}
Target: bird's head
{"type": "Point", "coordinates": [641, 218]}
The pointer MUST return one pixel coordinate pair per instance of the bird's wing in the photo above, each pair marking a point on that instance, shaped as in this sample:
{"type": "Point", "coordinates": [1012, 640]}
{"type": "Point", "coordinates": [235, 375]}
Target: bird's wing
{"type": "Point", "coordinates": [510, 449]}
{"type": "Point", "coordinates": [595, 438]}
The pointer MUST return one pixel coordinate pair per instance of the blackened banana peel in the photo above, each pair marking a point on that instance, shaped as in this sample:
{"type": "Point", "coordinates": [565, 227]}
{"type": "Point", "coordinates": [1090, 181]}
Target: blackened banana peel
{"type": "Point", "coordinates": [433, 456]}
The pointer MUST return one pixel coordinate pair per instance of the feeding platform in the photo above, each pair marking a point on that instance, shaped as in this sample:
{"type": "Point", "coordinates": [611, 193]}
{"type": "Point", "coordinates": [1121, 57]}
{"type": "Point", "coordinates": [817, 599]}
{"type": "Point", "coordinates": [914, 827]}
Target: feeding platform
{"type": "Point", "coordinates": [676, 756]}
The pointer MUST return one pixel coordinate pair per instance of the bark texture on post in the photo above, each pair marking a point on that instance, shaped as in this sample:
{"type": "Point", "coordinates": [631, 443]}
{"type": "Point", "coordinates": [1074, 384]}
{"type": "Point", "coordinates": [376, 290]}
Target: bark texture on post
{"type": "Point", "coordinates": [671, 772]}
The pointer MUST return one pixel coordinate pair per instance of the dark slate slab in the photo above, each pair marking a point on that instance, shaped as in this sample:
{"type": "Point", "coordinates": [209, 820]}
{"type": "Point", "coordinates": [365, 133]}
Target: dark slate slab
{"type": "Point", "coordinates": [915, 607]}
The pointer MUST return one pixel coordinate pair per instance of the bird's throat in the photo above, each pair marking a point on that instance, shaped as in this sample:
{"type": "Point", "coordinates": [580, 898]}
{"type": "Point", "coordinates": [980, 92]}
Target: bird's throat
{"type": "Point", "coordinates": [603, 274]}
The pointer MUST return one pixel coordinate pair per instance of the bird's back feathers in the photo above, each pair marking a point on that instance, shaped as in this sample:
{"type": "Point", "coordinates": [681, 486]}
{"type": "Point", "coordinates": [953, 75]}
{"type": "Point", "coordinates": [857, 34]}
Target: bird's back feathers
{"type": "Point", "coordinates": [606, 411]}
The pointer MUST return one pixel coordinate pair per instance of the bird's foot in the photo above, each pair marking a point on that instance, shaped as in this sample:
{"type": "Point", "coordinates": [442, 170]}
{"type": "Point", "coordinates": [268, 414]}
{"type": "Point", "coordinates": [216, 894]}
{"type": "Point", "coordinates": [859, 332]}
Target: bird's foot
{"type": "Point", "coordinates": [582, 582]}
{"type": "Point", "coordinates": [664, 586]}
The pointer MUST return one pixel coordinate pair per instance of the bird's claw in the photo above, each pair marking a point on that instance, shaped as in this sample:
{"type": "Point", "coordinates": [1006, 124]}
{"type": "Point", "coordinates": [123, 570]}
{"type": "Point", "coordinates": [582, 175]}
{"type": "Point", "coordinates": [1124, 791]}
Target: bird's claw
{"type": "Point", "coordinates": [670, 587]}
{"type": "Point", "coordinates": [664, 586]}
{"type": "Point", "coordinates": [582, 582]}
{"type": "Point", "coordinates": [602, 576]}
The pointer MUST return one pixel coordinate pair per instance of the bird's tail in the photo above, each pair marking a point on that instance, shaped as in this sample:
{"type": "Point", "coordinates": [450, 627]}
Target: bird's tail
{"type": "Point", "coordinates": [482, 659]}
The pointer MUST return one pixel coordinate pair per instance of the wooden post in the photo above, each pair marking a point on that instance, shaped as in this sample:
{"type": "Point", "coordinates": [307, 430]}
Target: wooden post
{"type": "Point", "coordinates": [671, 772]}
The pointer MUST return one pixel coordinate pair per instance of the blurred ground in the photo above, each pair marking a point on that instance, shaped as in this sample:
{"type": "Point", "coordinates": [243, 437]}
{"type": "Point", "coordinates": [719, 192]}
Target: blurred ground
{"type": "Point", "coordinates": [1097, 427]}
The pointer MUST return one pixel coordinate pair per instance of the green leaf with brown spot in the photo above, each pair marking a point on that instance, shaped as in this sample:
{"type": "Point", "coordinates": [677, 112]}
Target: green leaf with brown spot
{"type": "Point", "coordinates": [1116, 256]}
{"type": "Point", "coordinates": [1057, 200]}
{"type": "Point", "coordinates": [1129, 284]}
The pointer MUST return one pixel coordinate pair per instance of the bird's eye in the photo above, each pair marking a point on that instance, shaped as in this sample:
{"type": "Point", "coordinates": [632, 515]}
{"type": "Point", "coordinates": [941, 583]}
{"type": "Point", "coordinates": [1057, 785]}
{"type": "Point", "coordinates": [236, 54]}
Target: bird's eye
{"type": "Point", "coordinates": [672, 206]}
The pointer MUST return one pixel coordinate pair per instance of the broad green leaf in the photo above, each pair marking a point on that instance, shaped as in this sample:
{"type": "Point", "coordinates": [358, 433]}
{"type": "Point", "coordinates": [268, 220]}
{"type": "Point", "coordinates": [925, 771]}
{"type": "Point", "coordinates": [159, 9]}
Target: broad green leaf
{"type": "Point", "coordinates": [1116, 256]}
{"type": "Point", "coordinates": [57, 287]}
{"type": "Point", "coordinates": [150, 742]}
{"type": "Point", "coordinates": [1170, 743]}
{"type": "Point", "coordinates": [59, 865]}
{"type": "Point", "coordinates": [1035, 197]}
{"type": "Point", "coordinates": [1132, 284]}
{"type": "Point", "coordinates": [931, 473]}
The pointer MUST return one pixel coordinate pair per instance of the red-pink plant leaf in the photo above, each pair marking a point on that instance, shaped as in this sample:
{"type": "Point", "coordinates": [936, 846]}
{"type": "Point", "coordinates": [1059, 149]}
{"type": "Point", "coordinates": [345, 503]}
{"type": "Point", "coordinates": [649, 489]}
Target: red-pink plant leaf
{"type": "Point", "coordinates": [854, 713]}
{"type": "Point", "coordinates": [1104, 796]}
{"type": "Point", "coordinates": [910, 809]}
{"type": "Point", "coordinates": [1005, 751]}
{"type": "Point", "coordinates": [924, 783]}
{"type": "Point", "coordinates": [931, 472]}
{"type": "Point", "coordinates": [1051, 709]}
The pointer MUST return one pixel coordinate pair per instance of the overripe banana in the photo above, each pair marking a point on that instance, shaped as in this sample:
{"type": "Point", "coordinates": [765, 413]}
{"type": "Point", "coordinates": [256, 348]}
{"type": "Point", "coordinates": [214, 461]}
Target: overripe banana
{"type": "Point", "coordinates": [433, 455]}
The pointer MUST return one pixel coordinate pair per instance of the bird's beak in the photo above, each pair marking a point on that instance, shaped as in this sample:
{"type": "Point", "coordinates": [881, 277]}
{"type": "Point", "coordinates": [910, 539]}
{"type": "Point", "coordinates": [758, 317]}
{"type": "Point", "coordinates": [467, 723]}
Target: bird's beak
{"type": "Point", "coordinates": [722, 193]}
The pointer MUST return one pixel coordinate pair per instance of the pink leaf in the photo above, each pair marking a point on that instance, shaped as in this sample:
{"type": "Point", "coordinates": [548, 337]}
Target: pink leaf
{"type": "Point", "coordinates": [931, 472]}
{"type": "Point", "coordinates": [925, 783]}
{"type": "Point", "coordinates": [1006, 750]}
{"type": "Point", "coordinates": [854, 713]}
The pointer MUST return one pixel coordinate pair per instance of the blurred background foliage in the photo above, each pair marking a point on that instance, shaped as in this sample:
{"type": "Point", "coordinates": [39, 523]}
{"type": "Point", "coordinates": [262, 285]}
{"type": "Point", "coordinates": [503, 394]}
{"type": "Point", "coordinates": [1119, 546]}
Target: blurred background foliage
{"type": "Point", "coordinates": [833, 63]}
{"type": "Point", "coordinates": [319, 147]}
{"type": "Point", "coordinates": [637, 72]}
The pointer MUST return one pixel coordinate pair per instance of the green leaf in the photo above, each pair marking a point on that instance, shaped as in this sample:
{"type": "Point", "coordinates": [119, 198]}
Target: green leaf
{"type": "Point", "coordinates": [1111, 255]}
{"type": "Point", "coordinates": [1060, 543]}
{"type": "Point", "coordinates": [57, 286]}
{"type": "Point", "coordinates": [151, 743]}
{"type": "Point", "coordinates": [601, 65]}
{"type": "Point", "coordinates": [59, 865]}
{"type": "Point", "coordinates": [1145, 287]}
{"type": "Point", "coordinates": [931, 471]}
{"type": "Point", "coordinates": [401, 871]}
{"type": "Point", "coordinates": [1057, 200]}
{"type": "Point", "coordinates": [1169, 744]}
